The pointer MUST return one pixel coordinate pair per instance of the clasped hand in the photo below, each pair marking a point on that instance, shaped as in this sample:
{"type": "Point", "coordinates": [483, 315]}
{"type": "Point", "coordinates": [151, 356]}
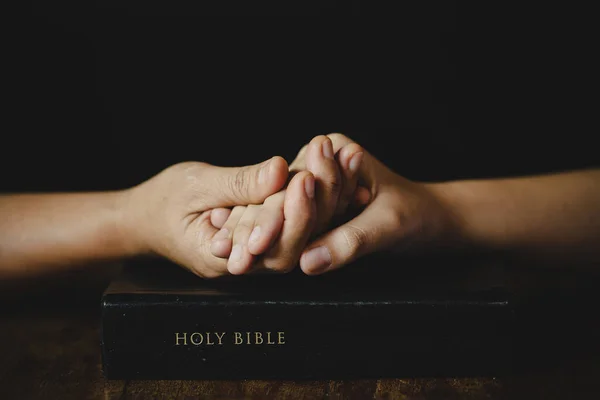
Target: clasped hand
{"type": "Point", "coordinates": [334, 203]}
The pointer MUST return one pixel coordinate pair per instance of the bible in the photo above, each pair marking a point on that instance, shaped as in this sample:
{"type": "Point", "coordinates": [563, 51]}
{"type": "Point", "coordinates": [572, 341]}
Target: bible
{"type": "Point", "coordinates": [379, 317]}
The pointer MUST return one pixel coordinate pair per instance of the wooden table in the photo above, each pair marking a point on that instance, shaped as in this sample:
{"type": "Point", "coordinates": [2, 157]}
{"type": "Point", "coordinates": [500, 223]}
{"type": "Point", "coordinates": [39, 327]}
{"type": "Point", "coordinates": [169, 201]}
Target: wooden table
{"type": "Point", "coordinates": [49, 346]}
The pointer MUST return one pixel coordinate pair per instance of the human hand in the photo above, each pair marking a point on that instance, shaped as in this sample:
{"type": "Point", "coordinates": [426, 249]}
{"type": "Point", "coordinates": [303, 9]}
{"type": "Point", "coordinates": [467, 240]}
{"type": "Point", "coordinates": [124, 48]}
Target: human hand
{"type": "Point", "coordinates": [400, 214]}
{"type": "Point", "coordinates": [279, 229]}
{"type": "Point", "coordinates": [338, 190]}
{"type": "Point", "coordinates": [174, 213]}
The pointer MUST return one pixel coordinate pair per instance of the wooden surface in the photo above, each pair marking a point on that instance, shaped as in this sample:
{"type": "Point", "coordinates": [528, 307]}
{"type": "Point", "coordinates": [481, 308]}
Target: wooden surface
{"type": "Point", "coordinates": [49, 346]}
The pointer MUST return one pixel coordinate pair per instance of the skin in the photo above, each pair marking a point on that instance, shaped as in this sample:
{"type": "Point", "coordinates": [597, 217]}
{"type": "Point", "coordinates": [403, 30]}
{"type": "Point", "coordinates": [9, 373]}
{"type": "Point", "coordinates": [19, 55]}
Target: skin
{"type": "Point", "coordinates": [292, 208]}
{"type": "Point", "coordinates": [253, 230]}
{"type": "Point", "coordinates": [175, 214]}
{"type": "Point", "coordinates": [168, 215]}
{"type": "Point", "coordinates": [554, 217]}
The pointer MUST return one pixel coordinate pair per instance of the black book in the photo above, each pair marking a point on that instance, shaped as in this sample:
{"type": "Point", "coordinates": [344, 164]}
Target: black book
{"type": "Point", "coordinates": [380, 317]}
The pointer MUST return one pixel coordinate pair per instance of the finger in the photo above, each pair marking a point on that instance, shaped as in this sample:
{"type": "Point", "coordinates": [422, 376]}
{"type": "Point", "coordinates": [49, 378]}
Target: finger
{"type": "Point", "coordinates": [366, 170]}
{"type": "Point", "coordinates": [221, 241]}
{"type": "Point", "coordinates": [299, 163]}
{"type": "Point", "coordinates": [362, 196]}
{"type": "Point", "coordinates": [299, 211]}
{"type": "Point", "coordinates": [371, 230]}
{"type": "Point", "coordinates": [349, 159]}
{"type": "Point", "coordinates": [218, 217]}
{"type": "Point", "coordinates": [233, 186]}
{"type": "Point", "coordinates": [197, 258]}
{"type": "Point", "coordinates": [240, 258]}
{"type": "Point", "coordinates": [338, 141]}
{"type": "Point", "coordinates": [268, 224]}
{"type": "Point", "coordinates": [320, 161]}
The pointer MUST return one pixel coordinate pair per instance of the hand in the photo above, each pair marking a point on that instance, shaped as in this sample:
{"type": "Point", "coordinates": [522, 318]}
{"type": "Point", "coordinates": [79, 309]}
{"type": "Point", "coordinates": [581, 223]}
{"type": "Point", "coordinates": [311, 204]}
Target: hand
{"type": "Point", "coordinates": [400, 214]}
{"type": "Point", "coordinates": [279, 229]}
{"type": "Point", "coordinates": [173, 214]}
{"type": "Point", "coordinates": [337, 183]}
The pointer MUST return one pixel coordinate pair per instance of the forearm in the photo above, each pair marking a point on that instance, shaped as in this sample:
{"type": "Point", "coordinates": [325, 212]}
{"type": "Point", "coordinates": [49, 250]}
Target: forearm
{"type": "Point", "coordinates": [552, 215]}
{"type": "Point", "coordinates": [44, 232]}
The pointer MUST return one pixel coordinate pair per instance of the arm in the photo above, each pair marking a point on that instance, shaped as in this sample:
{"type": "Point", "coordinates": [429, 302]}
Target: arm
{"type": "Point", "coordinates": [554, 215]}
{"type": "Point", "coordinates": [42, 232]}
{"type": "Point", "coordinates": [551, 217]}
{"type": "Point", "coordinates": [169, 215]}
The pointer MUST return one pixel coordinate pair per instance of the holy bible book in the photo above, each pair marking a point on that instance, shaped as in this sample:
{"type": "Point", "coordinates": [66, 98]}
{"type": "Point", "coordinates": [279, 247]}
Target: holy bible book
{"type": "Point", "coordinates": [380, 317]}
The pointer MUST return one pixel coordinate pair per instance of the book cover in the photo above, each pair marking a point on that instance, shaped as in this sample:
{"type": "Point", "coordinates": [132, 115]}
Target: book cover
{"type": "Point", "coordinates": [380, 317]}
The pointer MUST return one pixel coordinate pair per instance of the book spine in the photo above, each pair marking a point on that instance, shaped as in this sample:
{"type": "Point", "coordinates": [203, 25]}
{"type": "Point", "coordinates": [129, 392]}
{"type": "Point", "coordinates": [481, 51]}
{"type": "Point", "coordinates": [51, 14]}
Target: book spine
{"type": "Point", "coordinates": [288, 340]}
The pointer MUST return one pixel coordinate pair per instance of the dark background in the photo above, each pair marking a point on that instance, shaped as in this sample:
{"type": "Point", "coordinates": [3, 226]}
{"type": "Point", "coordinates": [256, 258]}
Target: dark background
{"type": "Point", "coordinates": [101, 95]}
{"type": "Point", "coordinates": [105, 97]}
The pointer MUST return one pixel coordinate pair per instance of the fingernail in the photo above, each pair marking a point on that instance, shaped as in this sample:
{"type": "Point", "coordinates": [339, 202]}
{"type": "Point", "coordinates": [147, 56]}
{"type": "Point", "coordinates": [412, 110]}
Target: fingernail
{"type": "Point", "coordinates": [222, 234]}
{"type": "Point", "coordinates": [355, 162]}
{"type": "Point", "coordinates": [255, 235]}
{"type": "Point", "coordinates": [316, 260]}
{"type": "Point", "coordinates": [236, 253]}
{"type": "Point", "coordinates": [309, 186]}
{"type": "Point", "coordinates": [327, 149]}
{"type": "Point", "coordinates": [263, 174]}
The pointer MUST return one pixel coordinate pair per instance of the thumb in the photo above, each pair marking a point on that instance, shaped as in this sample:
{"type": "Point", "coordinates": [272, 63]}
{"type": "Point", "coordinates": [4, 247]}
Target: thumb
{"type": "Point", "coordinates": [371, 230]}
{"type": "Point", "coordinates": [240, 186]}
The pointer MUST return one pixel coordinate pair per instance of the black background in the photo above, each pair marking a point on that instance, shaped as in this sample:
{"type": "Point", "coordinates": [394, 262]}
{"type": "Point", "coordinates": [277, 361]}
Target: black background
{"type": "Point", "coordinates": [105, 97]}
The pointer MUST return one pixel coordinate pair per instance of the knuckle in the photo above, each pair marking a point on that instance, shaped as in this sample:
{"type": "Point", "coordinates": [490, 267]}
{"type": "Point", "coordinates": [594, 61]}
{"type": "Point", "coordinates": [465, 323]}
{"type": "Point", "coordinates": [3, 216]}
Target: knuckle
{"type": "Point", "coordinates": [193, 172]}
{"type": "Point", "coordinates": [191, 167]}
{"type": "Point", "coordinates": [332, 185]}
{"type": "Point", "coordinates": [355, 239]}
{"type": "Point", "coordinates": [281, 265]}
{"type": "Point", "coordinates": [237, 184]}
{"type": "Point", "coordinates": [197, 165]}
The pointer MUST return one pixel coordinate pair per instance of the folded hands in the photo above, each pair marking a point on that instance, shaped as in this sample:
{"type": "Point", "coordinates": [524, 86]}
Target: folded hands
{"type": "Point", "coordinates": [334, 203]}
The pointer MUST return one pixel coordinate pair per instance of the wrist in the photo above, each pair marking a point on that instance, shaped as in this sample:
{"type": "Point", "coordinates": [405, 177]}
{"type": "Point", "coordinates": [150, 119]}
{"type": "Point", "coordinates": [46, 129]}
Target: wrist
{"type": "Point", "coordinates": [455, 231]}
{"type": "Point", "coordinates": [478, 210]}
{"type": "Point", "coordinates": [128, 226]}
